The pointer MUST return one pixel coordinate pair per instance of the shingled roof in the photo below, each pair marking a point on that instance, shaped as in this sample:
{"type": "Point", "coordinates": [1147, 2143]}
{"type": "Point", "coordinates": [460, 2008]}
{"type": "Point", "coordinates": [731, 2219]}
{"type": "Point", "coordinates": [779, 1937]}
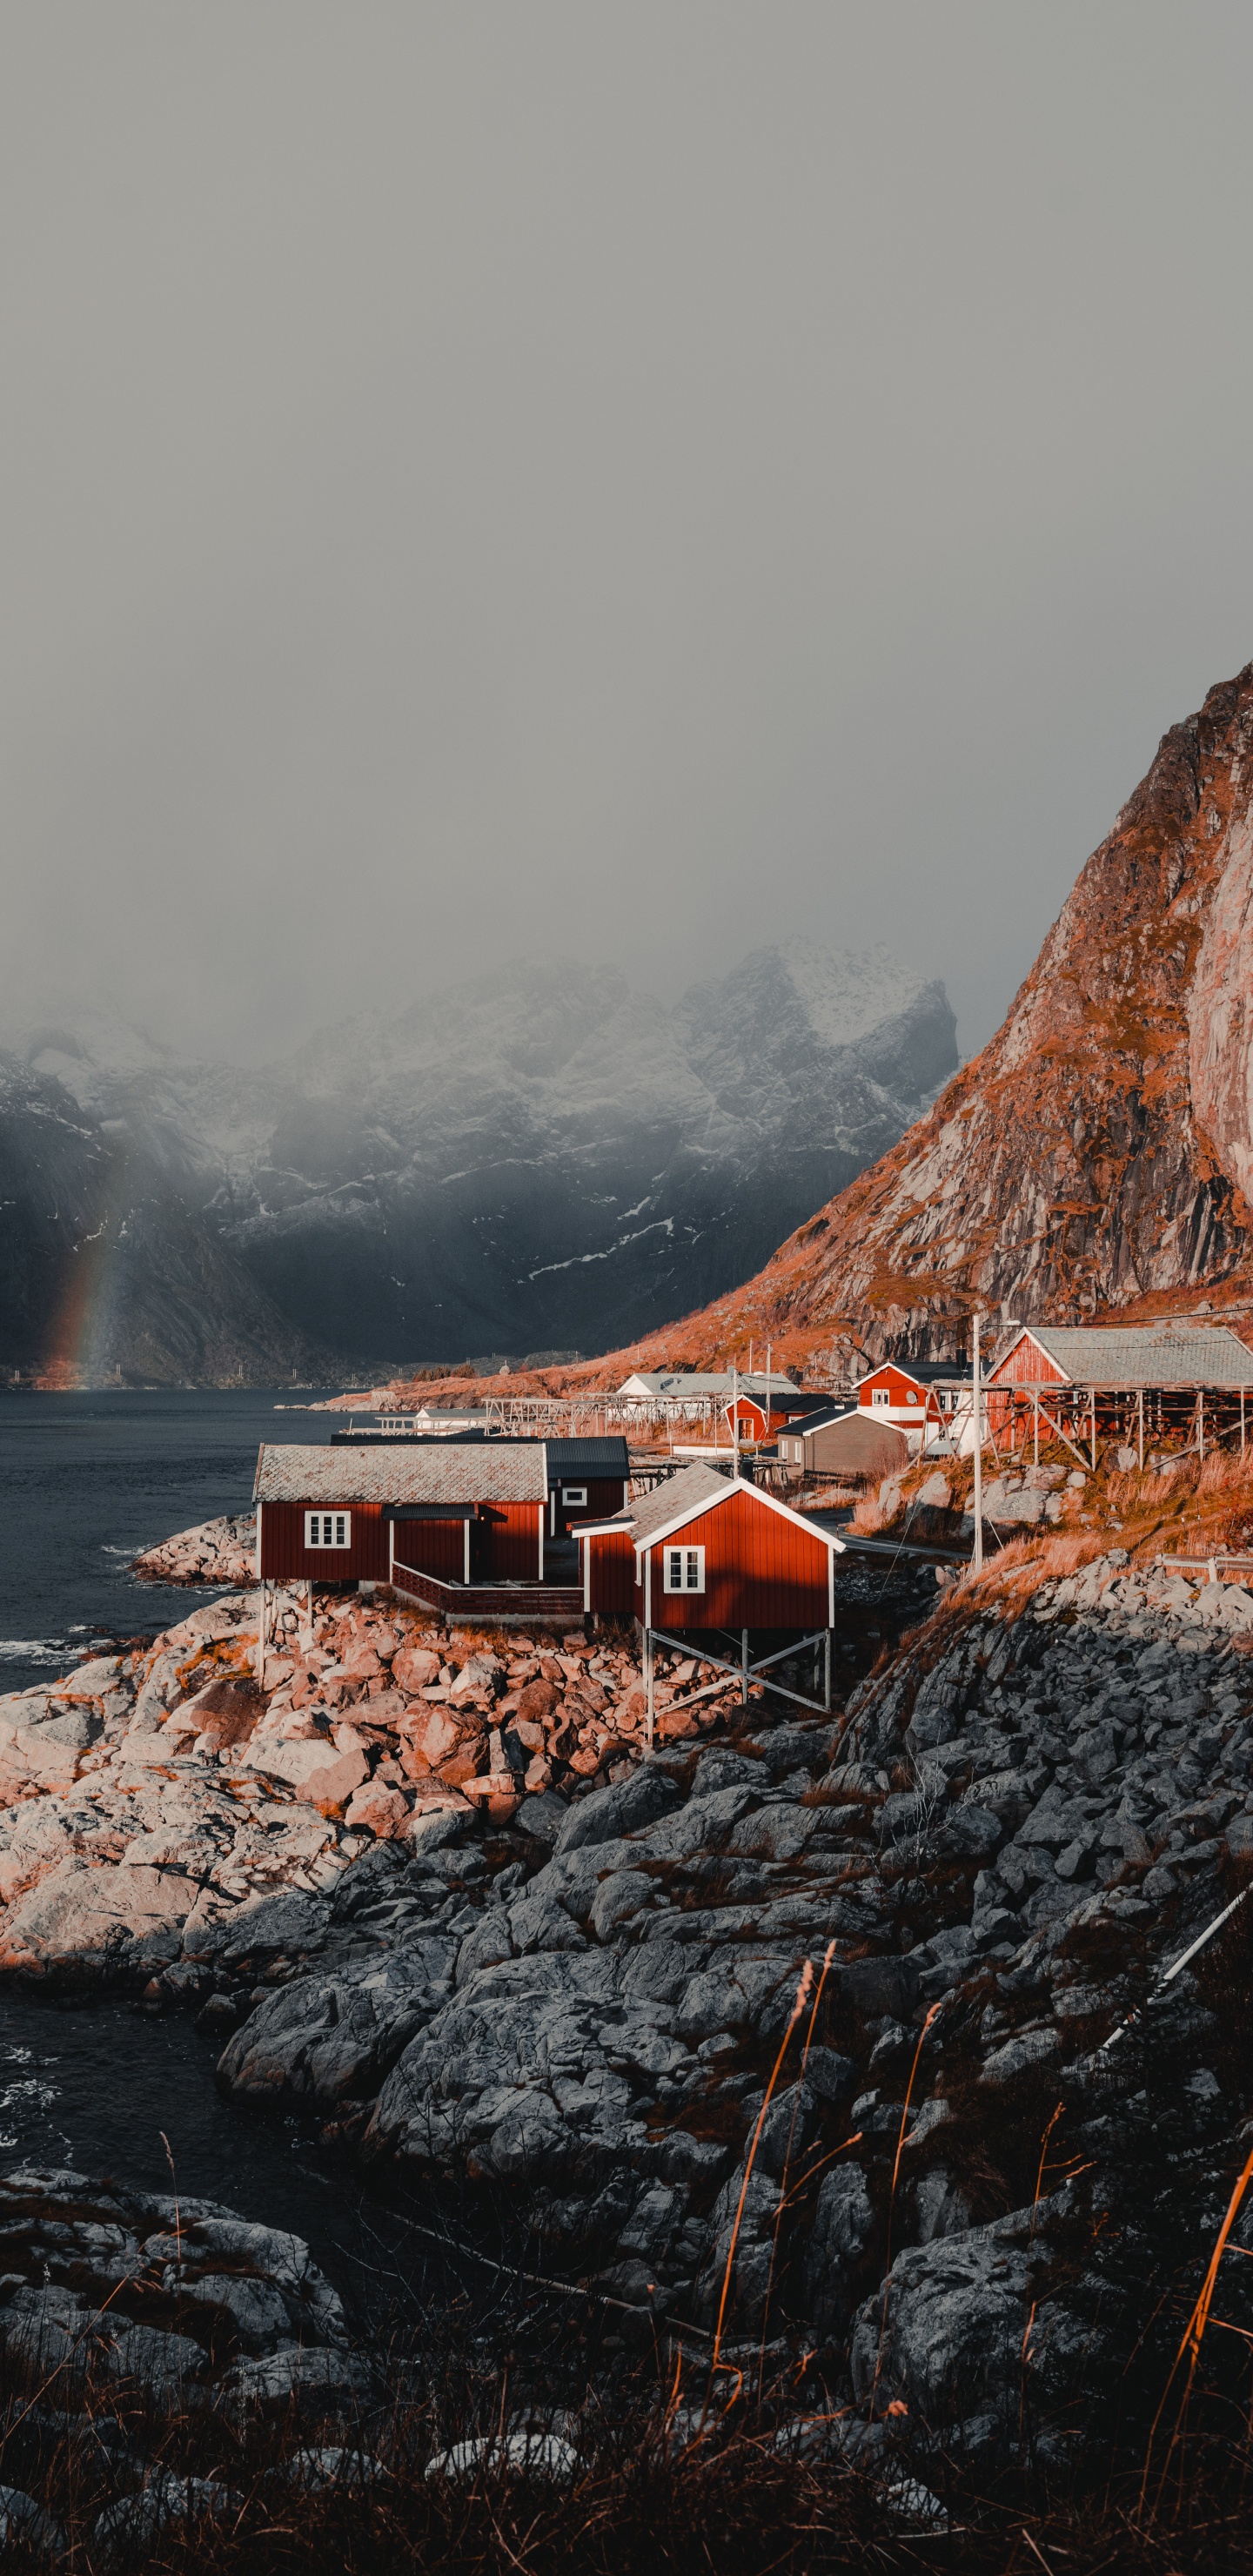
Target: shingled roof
{"type": "Point", "coordinates": [491, 1471]}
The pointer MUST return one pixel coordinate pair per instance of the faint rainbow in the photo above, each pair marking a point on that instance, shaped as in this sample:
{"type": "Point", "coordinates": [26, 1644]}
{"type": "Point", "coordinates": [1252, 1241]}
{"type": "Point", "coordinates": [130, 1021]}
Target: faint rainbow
{"type": "Point", "coordinates": [78, 1336]}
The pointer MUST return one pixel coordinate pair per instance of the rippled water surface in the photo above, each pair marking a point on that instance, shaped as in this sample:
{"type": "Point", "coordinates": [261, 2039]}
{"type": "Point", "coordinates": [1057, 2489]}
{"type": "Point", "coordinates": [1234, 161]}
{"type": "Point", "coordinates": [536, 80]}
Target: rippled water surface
{"type": "Point", "coordinates": [89, 1481]}
{"type": "Point", "coordinates": [110, 2090]}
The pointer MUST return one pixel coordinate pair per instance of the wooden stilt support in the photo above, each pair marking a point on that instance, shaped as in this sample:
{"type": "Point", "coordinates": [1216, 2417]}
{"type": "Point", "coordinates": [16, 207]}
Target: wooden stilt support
{"type": "Point", "coordinates": [744, 1679]}
{"type": "Point", "coordinates": [1140, 1424]}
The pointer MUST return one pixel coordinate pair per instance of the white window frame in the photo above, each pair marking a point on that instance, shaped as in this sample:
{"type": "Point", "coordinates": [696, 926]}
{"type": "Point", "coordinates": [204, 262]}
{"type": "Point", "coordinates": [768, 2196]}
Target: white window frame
{"type": "Point", "coordinates": [574, 1497]}
{"type": "Point", "coordinates": [325, 1530]}
{"type": "Point", "coordinates": [688, 1563]}
{"type": "Point", "coordinates": [912, 1396]}
{"type": "Point", "coordinates": [880, 1398]}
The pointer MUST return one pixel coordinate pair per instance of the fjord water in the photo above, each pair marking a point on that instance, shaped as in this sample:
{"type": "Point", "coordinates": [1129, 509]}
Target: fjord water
{"type": "Point", "coordinates": [89, 1481]}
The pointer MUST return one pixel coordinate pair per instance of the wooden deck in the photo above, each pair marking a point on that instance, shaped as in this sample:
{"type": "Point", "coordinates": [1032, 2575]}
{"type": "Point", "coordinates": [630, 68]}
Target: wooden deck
{"type": "Point", "coordinates": [528, 1603]}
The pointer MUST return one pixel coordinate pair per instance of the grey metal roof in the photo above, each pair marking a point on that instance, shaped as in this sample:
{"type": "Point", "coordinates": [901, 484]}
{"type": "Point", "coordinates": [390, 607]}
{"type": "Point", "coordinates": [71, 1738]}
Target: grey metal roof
{"type": "Point", "coordinates": [1166, 1354]}
{"type": "Point", "coordinates": [490, 1471]}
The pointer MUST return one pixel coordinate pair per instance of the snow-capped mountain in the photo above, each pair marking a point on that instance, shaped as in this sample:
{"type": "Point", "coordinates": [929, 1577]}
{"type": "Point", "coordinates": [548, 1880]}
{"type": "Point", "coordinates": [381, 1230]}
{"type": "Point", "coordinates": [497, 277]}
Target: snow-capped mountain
{"type": "Point", "coordinates": [538, 1158]}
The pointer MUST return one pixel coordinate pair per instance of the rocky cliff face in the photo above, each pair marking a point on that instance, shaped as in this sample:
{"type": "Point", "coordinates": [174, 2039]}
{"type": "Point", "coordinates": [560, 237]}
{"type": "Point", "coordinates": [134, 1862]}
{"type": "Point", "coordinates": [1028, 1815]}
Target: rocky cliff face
{"type": "Point", "coordinates": [986, 2224]}
{"type": "Point", "coordinates": [1098, 1154]}
{"type": "Point", "coordinates": [539, 1159]}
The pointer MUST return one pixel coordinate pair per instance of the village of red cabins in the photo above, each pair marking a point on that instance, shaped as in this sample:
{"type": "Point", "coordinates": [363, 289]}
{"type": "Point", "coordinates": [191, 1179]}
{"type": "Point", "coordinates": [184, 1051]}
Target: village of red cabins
{"type": "Point", "coordinates": [532, 1530]}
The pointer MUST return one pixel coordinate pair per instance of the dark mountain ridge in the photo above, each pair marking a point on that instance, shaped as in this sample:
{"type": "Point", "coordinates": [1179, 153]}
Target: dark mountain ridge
{"type": "Point", "coordinates": [540, 1159]}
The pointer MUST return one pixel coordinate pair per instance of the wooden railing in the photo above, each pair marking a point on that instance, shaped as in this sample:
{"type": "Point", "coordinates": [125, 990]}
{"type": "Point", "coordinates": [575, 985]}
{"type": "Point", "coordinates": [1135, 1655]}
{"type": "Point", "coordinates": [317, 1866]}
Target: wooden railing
{"type": "Point", "coordinates": [562, 1601]}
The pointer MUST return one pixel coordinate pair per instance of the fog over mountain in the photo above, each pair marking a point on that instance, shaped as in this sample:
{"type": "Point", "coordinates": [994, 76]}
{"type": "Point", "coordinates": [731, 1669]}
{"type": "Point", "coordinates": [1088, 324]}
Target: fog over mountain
{"type": "Point", "coordinates": [1095, 1159]}
{"type": "Point", "coordinates": [543, 1158]}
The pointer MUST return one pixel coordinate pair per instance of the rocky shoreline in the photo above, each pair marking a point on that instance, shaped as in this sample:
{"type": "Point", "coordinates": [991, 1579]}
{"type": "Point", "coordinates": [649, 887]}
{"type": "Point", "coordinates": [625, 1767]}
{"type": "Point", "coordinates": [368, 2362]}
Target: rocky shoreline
{"type": "Point", "coordinates": [791, 2036]}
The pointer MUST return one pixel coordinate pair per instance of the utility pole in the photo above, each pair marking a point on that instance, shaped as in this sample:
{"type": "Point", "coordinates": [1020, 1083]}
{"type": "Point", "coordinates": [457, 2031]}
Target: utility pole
{"type": "Point", "coordinates": [978, 1402]}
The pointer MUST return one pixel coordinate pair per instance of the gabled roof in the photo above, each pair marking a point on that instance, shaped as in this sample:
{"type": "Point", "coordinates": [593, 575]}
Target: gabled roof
{"type": "Point", "coordinates": [692, 1490]}
{"type": "Point", "coordinates": [701, 1489]}
{"type": "Point", "coordinates": [490, 1471]}
{"type": "Point", "coordinates": [1165, 1354]}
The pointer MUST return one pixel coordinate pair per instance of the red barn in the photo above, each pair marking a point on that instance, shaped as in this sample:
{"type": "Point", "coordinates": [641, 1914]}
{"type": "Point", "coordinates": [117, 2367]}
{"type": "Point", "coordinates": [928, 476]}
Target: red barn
{"type": "Point", "coordinates": [465, 1522]}
{"type": "Point", "coordinates": [710, 1551]}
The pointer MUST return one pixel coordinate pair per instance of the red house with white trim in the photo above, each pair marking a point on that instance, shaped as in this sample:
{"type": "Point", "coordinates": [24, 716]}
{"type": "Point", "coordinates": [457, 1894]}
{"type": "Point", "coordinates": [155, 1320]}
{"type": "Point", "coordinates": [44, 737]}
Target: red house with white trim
{"type": "Point", "coordinates": [918, 1397]}
{"type": "Point", "coordinates": [711, 1551]}
{"type": "Point", "coordinates": [760, 1421]}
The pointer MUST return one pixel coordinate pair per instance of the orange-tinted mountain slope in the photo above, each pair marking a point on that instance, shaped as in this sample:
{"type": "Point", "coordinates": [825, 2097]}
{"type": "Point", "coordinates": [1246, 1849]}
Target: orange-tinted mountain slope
{"type": "Point", "coordinates": [1098, 1155]}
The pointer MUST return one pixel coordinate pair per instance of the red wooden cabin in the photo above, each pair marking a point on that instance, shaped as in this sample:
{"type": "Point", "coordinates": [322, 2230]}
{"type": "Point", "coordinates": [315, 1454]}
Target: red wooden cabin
{"type": "Point", "coordinates": [710, 1551]}
{"type": "Point", "coordinates": [787, 1404]}
{"type": "Point", "coordinates": [918, 1396]}
{"type": "Point", "coordinates": [468, 1515]}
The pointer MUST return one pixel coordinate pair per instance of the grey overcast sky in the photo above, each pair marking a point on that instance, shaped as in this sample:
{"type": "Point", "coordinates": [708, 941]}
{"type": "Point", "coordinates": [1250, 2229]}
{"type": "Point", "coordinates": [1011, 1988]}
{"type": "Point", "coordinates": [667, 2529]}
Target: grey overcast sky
{"type": "Point", "coordinates": [634, 480]}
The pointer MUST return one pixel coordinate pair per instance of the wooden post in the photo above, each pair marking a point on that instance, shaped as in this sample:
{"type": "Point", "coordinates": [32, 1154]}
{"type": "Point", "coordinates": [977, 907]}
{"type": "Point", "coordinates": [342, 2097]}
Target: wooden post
{"type": "Point", "coordinates": [1140, 1423]}
{"type": "Point", "coordinates": [648, 1644]}
{"type": "Point", "coordinates": [744, 1672]}
{"type": "Point", "coordinates": [1092, 1422]}
{"type": "Point", "coordinates": [1242, 1422]}
{"type": "Point", "coordinates": [978, 1405]}
{"type": "Point", "coordinates": [826, 1653]}
{"type": "Point", "coordinates": [1200, 1423]}
{"type": "Point", "coordinates": [261, 1641]}
{"type": "Point", "coordinates": [1035, 1437]}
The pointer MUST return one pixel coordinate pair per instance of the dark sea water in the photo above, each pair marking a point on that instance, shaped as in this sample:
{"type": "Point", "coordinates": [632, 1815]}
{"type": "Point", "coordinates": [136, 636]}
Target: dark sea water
{"type": "Point", "coordinates": [89, 1481]}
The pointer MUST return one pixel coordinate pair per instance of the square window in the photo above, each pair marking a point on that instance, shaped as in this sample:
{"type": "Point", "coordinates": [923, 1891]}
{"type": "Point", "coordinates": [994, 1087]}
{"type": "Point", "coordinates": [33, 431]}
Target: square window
{"type": "Point", "coordinates": [880, 1395]}
{"type": "Point", "coordinates": [685, 1569]}
{"type": "Point", "coordinates": [328, 1529]}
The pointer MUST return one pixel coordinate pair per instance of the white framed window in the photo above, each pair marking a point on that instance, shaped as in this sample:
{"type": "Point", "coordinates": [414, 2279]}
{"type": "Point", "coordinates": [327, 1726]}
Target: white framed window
{"type": "Point", "coordinates": [685, 1569]}
{"type": "Point", "coordinates": [881, 1396]}
{"type": "Point", "coordinates": [575, 1496]}
{"type": "Point", "coordinates": [912, 1397]}
{"type": "Point", "coordinates": [328, 1529]}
